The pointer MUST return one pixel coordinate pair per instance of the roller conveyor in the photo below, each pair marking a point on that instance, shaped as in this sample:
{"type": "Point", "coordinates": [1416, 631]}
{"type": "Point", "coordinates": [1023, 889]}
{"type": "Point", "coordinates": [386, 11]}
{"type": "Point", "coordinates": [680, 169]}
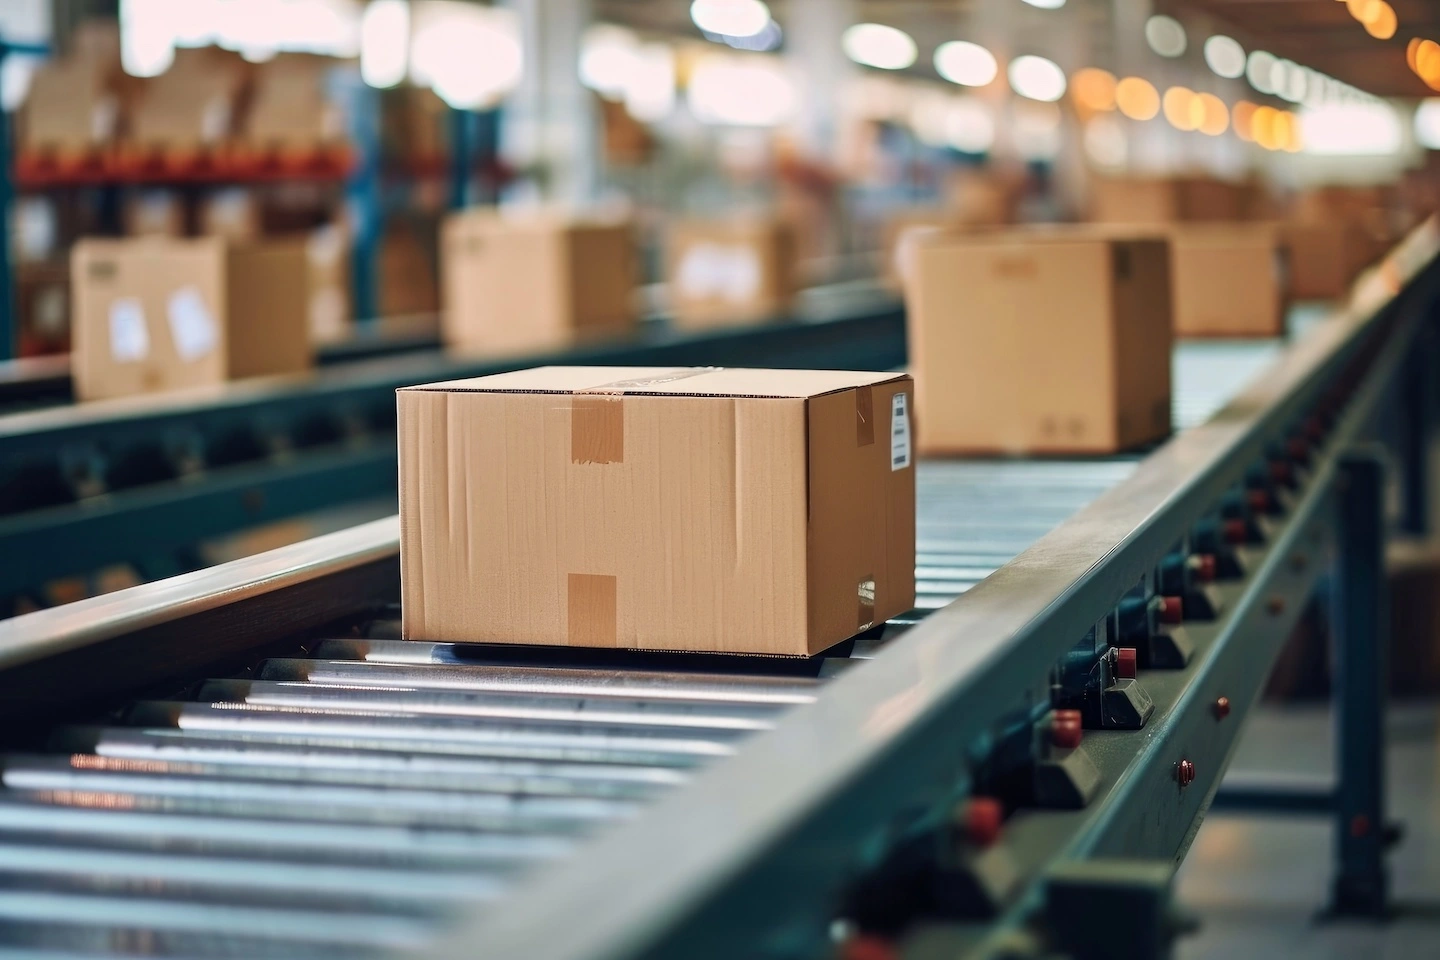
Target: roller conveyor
{"type": "Point", "coordinates": [345, 792]}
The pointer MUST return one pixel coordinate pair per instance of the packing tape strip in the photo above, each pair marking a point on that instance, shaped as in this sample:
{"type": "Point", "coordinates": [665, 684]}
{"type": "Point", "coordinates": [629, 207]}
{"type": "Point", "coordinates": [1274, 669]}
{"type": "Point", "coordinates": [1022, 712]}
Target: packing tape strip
{"type": "Point", "coordinates": [590, 610]}
{"type": "Point", "coordinates": [597, 416]}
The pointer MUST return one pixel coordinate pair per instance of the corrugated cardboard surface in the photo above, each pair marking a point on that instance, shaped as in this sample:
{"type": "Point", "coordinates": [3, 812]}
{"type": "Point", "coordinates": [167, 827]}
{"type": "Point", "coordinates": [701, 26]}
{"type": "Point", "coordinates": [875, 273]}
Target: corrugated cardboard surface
{"type": "Point", "coordinates": [515, 285]}
{"type": "Point", "coordinates": [1324, 258]}
{"type": "Point", "coordinates": [1149, 200]}
{"type": "Point", "coordinates": [1228, 280]}
{"type": "Point", "coordinates": [692, 509]}
{"type": "Point", "coordinates": [246, 299]}
{"type": "Point", "coordinates": [1040, 342]}
{"type": "Point", "coordinates": [731, 271]}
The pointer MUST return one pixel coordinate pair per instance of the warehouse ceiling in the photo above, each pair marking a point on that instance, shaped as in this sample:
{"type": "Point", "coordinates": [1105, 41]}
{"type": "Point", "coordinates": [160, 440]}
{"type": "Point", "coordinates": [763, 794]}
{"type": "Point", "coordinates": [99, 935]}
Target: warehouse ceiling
{"type": "Point", "coordinates": [1317, 33]}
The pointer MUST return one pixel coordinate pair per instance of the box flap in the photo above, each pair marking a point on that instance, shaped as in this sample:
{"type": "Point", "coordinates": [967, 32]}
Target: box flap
{"type": "Point", "coordinates": [663, 381]}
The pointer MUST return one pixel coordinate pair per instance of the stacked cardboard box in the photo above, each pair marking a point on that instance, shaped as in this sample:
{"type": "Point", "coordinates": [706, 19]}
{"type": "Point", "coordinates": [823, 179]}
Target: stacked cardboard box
{"type": "Point", "coordinates": [73, 106]}
{"type": "Point", "coordinates": [1040, 341]}
{"type": "Point", "coordinates": [1157, 200]}
{"type": "Point", "coordinates": [1334, 233]}
{"type": "Point", "coordinates": [42, 302]}
{"type": "Point", "coordinates": [153, 314]}
{"type": "Point", "coordinates": [193, 106]}
{"type": "Point", "coordinates": [291, 113]}
{"type": "Point", "coordinates": [533, 282]}
{"type": "Point", "coordinates": [731, 271]}
{"type": "Point", "coordinates": [737, 511]}
{"type": "Point", "coordinates": [1229, 280]}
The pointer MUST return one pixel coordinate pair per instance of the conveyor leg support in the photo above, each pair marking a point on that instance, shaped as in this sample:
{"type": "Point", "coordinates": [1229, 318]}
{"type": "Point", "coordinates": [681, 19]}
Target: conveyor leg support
{"type": "Point", "coordinates": [1418, 409]}
{"type": "Point", "coordinates": [1361, 623]}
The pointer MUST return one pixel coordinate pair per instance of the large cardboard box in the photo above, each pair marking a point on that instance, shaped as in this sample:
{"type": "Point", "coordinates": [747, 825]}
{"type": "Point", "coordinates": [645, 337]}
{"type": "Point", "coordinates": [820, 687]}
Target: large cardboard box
{"type": "Point", "coordinates": [1229, 280]}
{"type": "Point", "coordinates": [521, 283]}
{"type": "Point", "coordinates": [291, 109]}
{"type": "Point", "coordinates": [194, 104]}
{"type": "Point", "coordinates": [1154, 200]}
{"type": "Point", "coordinates": [731, 271]}
{"type": "Point", "coordinates": [327, 250]}
{"type": "Point", "coordinates": [153, 314]}
{"type": "Point", "coordinates": [1052, 342]}
{"type": "Point", "coordinates": [1324, 258]}
{"type": "Point", "coordinates": [738, 511]}
{"type": "Point", "coordinates": [72, 107]}
{"type": "Point", "coordinates": [154, 212]}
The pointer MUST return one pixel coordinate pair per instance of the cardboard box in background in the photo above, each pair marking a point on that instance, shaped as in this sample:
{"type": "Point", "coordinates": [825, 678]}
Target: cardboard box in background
{"type": "Point", "coordinates": [1031, 341]}
{"type": "Point", "coordinates": [154, 212]}
{"type": "Point", "coordinates": [72, 108]}
{"type": "Point", "coordinates": [42, 306]}
{"type": "Point", "coordinates": [1229, 280]}
{"type": "Point", "coordinates": [1155, 200]}
{"type": "Point", "coordinates": [535, 281]}
{"type": "Point", "coordinates": [1324, 258]}
{"type": "Point", "coordinates": [983, 198]}
{"type": "Point", "coordinates": [327, 251]}
{"type": "Point", "coordinates": [153, 315]}
{"type": "Point", "coordinates": [739, 511]}
{"type": "Point", "coordinates": [290, 109]}
{"type": "Point", "coordinates": [731, 271]}
{"type": "Point", "coordinates": [232, 213]}
{"type": "Point", "coordinates": [409, 282]}
{"type": "Point", "coordinates": [193, 105]}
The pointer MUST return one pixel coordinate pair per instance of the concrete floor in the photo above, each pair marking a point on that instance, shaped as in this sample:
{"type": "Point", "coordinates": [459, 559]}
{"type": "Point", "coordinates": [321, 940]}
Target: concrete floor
{"type": "Point", "coordinates": [1258, 884]}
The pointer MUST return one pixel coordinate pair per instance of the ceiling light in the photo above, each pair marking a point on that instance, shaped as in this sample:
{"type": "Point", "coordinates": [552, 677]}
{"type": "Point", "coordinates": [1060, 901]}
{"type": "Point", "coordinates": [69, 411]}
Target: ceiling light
{"type": "Point", "coordinates": [1258, 68]}
{"type": "Point", "coordinates": [1094, 89]}
{"type": "Point", "coordinates": [965, 63]}
{"type": "Point", "coordinates": [1046, 4]}
{"type": "Point", "coordinates": [1037, 78]}
{"type": "Point", "coordinates": [730, 18]}
{"type": "Point", "coordinates": [1214, 116]}
{"type": "Point", "coordinates": [1165, 35]}
{"type": "Point", "coordinates": [1225, 56]}
{"type": "Point", "coordinates": [1137, 98]}
{"type": "Point", "coordinates": [876, 45]}
{"type": "Point", "coordinates": [969, 126]}
{"type": "Point", "coordinates": [1427, 124]}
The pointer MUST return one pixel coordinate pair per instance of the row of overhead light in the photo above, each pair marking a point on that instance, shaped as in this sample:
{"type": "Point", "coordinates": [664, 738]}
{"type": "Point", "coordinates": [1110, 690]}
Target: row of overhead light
{"type": "Point", "coordinates": [1376, 16]}
{"type": "Point", "coordinates": [1423, 56]}
{"type": "Point", "coordinates": [1098, 91]}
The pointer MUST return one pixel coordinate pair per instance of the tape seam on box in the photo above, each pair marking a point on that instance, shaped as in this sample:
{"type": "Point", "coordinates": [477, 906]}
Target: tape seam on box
{"type": "Point", "coordinates": [597, 416]}
{"type": "Point", "coordinates": [590, 610]}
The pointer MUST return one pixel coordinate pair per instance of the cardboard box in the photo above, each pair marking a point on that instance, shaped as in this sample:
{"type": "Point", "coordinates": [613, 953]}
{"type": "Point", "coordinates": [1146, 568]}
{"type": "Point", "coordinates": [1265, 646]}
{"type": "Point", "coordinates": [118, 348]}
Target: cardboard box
{"type": "Point", "coordinates": [409, 282]}
{"type": "Point", "coordinates": [327, 252]}
{"type": "Point", "coordinates": [72, 107]}
{"type": "Point", "coordinates": [514, 284]}
{"type": "Point", "coordinates": [738, 511]}
{"type": "Point", "coordinates": [1052, 342]}
{"type": "Point", "coordinates": [154, 213]}
{"type": "Point", "coordinates": [152, 315]}
{"type": "Point", "coordinates": [232, 213]}
{"type": "Point", "coordinates": [290, 109]}
{"type": "Point", "coordinates": [731, 271]}
{"type": "Point", "coordinates": [1146, 200]}
{"type": "Point", "coordinates": [194, 104]}
{"type": "Point", "coordinates": [1324, 258]}
{"type": "Point", "coordinates": [42, 308]}
{"type": "Point", "coordinates": [1229, 280]}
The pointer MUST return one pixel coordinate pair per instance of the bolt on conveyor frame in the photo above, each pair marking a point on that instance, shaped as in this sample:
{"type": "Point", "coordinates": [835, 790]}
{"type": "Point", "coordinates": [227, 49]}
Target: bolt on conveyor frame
{"type": "Point", "coordinates": [863, 791]}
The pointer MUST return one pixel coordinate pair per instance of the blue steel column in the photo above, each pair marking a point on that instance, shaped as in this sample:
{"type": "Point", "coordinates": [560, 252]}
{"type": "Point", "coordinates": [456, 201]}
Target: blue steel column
{"type": "Point", "coordinates": [1417, 408]}
{"type": "Point", "coordinates": [461, 157]}
{"type": "Point", "coordinates": [1361, 626]}
{"type": "Point", "coordinates": [365, 199]}
{"type": "Point", "coordinates": [7, 194]}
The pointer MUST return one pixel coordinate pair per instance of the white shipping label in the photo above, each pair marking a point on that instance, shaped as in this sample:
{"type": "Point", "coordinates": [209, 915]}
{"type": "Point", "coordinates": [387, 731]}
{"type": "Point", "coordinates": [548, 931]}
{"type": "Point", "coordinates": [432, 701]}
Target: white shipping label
{"type": "Point", "coordinates": [899, 432]}
{"type": "Point", "coordinates": [129, 340]}
{"type": "Point", "coordinates": [724, 272]}
{"type": "Point", "coordinates": [191, 325]}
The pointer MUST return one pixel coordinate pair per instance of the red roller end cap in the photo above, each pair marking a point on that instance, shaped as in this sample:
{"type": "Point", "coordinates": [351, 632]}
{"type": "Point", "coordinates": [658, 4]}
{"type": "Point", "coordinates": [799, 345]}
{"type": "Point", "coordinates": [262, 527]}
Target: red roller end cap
{"type": "Point", "coordinates": [1204, 566]}
{"type": "Point", "coordinates": [1259, 501]}
{"type": "Point", "coordinates": [866, 947]}
{"type": "Point", "coordinates": [1172, 610]}
{"type": "Point", "coordinates": [1222, 708]}
{"type": "Point", "coordinates": [1066, 729]}
{"type": "Point", "coordinates": [1297, 448]}
{"type": "Point", "coordinates": [1280, 471]}
{"type": "Point", "coordinates": [1125, 666]}
{"type": "Point", "coordinates": [982, 818]}
{"type": "Point", "coordinates": [1185, 773]}
{"type": "Point", "coordinates": [1235, 531]}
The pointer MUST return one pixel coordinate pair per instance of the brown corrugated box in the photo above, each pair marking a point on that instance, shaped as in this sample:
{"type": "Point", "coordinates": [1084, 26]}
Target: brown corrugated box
{"type": "Point", "coordinates": [1324, 257]}
{"type": "Point", "coordinates": [327, 252]}
{"type": "Point", "coordinates": [72, 106]}
{"type": "Point", "coordinates": [523, 283]}
{"type": "Point", "coordinates": [738, 511]}
{"type": "Point", "coordinates": [231, 212]}
{"type": "Point", "coordinates": [42, 307]}
{"type": "Point", "coordinates": [731, 271]}
{"type": "Point", "coordinates": [1156, 200]}
{"type": "Point", "coordinates": [1038, 341]}
{"type": "Point", "coordinates": [194, 104]}
{"type": "Point", "coordinates": [153, 314]}
{"type": "Point", "coordinates": [1229, 280]}
{"type": "Point", "coordinates": [154, 212]}
{"type": "Point", "coordinates": [290, 109]}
